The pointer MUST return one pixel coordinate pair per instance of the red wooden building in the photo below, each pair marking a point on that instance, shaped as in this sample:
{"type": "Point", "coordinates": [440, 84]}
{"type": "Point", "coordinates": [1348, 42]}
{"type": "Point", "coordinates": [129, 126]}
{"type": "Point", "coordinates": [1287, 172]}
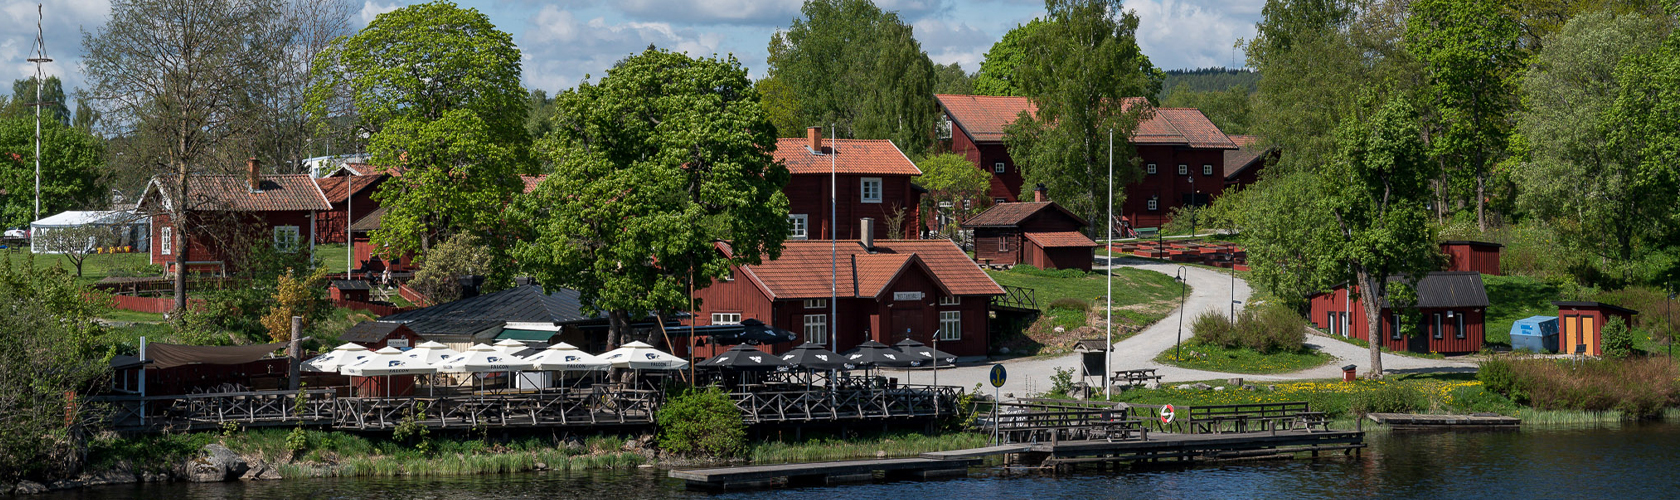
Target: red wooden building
{"type": "Point", "coordinates": [229, 213]}
{"type": "Point", "coordinates": [1449, 313]}
{"type": "Point", "coordinates": [885, 290]}
{"type": "Point", "coordinates": [1581, 325]}
{"type": "Point", "coordinates": [376, 335]}
{"type": "Point", "coordinates": [1181, 152]}
{"type": "Point", "coordinates": [1475, 256]}
{"type": "Point", "coordinates": [1243, 165]}
{"type": "Point", "coordinates": [1040, 233]}
{"type": "Point", "coordinates": [871, 180]}
{"type": "Point", "coordinates": [350, 197]}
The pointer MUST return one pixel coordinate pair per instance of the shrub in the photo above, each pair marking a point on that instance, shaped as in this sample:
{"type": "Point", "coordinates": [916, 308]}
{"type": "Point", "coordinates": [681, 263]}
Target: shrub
{"type": "Point", "coordinates": [1213, 328]}
{"type": "Point", "coordinates": [1618, 340]}
{"type": "Point", "coordinates": [1070, 304]}
{"type": "Point", "coordinates": [1497, 375]}
{"type": "Point", "coordinates": [1388, 398]}
{"type": "Point", "coordinates": [1639, 387]}
{"type": "Point", "coordinates": [1061, 384]}
{"type": "Point", "coordinates": [702, 422]}
{"type": "Point", "coordinates": [1268, 329]}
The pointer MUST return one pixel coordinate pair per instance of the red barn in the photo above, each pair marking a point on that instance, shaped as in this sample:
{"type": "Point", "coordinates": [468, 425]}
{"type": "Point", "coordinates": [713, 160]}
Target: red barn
{"type": "Point", "coordinates": [1451, 307]}
{"type": "Point", "coordinates": [1039, 233]}
{"type": "Point", "coordinates": [351, 197]}
{"type": "Point", "coordinates": [871, 180]}
{"type": "Point", "coordinates": [886, 290]}
{"type": "Point", "coordinates": [1243, 165]}
{"type": "Point", "coordinates": [1475, 256]}
{"type": "Point", "coordinates": [1182, 153]}
{"type": "Point", "coordinates": [1581, 325]}
{"type": "Point", "coordinates": [229, 213]}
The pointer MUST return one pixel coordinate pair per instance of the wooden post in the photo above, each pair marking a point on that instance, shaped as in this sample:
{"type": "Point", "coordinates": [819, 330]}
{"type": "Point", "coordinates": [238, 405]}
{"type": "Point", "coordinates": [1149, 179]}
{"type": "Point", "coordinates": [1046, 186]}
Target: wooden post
{"type": "Point", "coordinates": [294, 353]}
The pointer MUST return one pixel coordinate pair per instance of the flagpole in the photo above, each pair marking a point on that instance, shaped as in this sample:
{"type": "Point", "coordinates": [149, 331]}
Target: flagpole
{"type": "Point", "coordinates": [833, 245]}
{"type": "Point", "coordinates": [1108, 322]}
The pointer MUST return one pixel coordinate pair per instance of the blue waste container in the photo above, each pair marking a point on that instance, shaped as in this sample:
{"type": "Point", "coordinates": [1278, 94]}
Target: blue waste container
{"type": "Point", "coordinates": [1536, 333]}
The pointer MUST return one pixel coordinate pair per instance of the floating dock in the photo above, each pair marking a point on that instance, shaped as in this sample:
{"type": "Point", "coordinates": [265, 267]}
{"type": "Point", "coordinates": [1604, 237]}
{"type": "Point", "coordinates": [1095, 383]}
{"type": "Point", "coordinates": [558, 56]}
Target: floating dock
{"type": "Point", "coordinates": [1415, 421]}
{"type": "Point", "coordinates": [820, 473]}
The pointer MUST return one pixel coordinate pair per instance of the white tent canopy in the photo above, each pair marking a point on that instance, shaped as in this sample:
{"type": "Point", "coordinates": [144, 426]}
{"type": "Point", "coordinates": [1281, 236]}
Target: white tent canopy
{"type": "Point", "coordinates": [640, 356]}
{"type": "Point", "coordinates": [348, 353]}
{"type": "Point", "coordinates": [387, 361]}
{"type": "Point", "coordinates": [127, 228]}
{"type": "Point", "coordinates": [481, 358]}
{"type": "Point", "coordinates": [564, 357]}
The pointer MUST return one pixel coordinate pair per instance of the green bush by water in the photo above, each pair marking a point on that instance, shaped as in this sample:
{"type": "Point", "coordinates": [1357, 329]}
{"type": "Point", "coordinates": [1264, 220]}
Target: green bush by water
{"type": "Point", "coordinates": [702, 422]}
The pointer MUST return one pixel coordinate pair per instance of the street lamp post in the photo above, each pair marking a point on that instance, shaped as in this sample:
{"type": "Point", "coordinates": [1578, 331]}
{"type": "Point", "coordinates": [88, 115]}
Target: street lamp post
{"type": "Point", "coordinates": [1183, 278]}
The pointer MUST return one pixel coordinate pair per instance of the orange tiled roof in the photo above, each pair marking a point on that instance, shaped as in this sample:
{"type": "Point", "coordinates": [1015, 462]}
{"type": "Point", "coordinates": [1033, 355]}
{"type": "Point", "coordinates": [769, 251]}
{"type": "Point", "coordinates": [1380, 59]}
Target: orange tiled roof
{"type": "Point", "coordinates": [1011, 214]}
{"type": "Point", "coordinates": [220, 192]}
{"type": "Point", "coordinates": [1064, 239]}
{"type": "Point", "coordinates": [333, 187]}
{"type": "Point", "coordinates": [531, 182]}
{"type": "Point", "coordinates": [984, 117]}
{"type": "Point", "coordinates": [852, 156]}
{"type": "Point", "coordinates": [1248, 150]}
{"type": "Point", "coordinates": [802, 270]}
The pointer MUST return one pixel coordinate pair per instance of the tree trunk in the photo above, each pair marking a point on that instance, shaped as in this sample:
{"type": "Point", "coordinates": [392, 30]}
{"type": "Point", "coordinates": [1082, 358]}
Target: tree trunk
{"type": "Point", "coordinates": [1373, 322]}
{"type": "Point", "coordinates": [1481, 201]}
{"type": "Point", "coordinates": [178, 224]}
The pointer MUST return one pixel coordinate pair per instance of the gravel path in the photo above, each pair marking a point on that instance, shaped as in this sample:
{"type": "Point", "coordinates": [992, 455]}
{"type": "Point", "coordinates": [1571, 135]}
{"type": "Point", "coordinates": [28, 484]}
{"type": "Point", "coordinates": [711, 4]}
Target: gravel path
{"type": "Point", "coordinates": [1210, 290]}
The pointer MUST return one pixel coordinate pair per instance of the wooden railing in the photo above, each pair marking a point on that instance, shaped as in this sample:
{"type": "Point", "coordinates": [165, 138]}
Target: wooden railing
{"type": "Point", "coordinates": [1017, 297]}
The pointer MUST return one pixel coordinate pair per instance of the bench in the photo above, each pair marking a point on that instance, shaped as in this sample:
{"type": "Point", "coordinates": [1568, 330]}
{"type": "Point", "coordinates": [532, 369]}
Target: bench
{"type": "Point", "coordinates": [1058, 422]}
{"type": "Point", "coordinates": [1147, 232]}
{"type": "Point", "coordinates": [1259, 417]}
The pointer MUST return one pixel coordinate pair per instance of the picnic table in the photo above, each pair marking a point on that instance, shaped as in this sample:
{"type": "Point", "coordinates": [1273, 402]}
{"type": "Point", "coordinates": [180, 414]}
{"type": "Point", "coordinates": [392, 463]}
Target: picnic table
{"type": "Point", "coordinates": [1137, 377]}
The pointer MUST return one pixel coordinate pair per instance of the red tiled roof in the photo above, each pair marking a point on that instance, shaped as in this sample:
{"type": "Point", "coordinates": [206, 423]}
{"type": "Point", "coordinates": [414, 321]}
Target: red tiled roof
{"type": "Point", "coordinates": [333, 187]}
{"type": "Point", "coordinates": [802, 270]}
{"type": "Point", "coordinates": [852, 156]}
{"type": "Point", "coordinates": [288, 192]}
{"type": "Point", "coordinates": [1010, 214]}
{"type": "Point", "coordinates": [1247, 152]}
{"type": "Point", "coordinates": [531, 182]}
{"type": "Point", "coordinates": [984, 117]}
{"type": "Point", "coordinates": [1065, 239]}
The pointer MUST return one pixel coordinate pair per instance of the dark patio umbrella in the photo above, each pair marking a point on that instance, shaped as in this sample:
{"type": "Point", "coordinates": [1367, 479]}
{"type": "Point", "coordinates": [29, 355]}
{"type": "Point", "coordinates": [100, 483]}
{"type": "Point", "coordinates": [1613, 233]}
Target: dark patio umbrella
{"type": "Point", "coordinates": [922, 355]}
{"type": "Point", "coordinates": [875, 354]}
{"type": "Point", "coordinates": [744, 357]}
{"type": "Point", "coordinates": [811, 356]}
{"type": "Point", "coordinates": [752, 331]}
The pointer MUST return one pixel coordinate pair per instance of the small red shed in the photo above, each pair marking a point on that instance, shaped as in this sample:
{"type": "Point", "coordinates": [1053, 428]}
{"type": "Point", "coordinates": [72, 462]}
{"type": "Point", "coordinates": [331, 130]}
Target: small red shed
{"type": "Point", "coordinates": [1474, 256]}
{"type": "Point", "coordinates": [1041, 233]}
{"type": "Point", "coordinates": [376, 335]}
{"type": "Point", "coordinates": [1581, 325]}
{"type": "Point", "coordinates": [1451, 307]}
{"type": "Point", "coordinates": [356, 290]}
{"type": "Point", "coordinates": [1059, 250]}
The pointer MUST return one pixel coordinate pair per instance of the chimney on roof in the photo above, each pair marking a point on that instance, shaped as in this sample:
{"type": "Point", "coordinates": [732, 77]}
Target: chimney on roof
{"type": "Point", "coordinates": [814, 135]}
{"type": "Point", "coordinates": [253, 174]}
{"type": "Point", "coordinates": [867, 234]}
{"type": "Point", "coordinates": [1041, 194]}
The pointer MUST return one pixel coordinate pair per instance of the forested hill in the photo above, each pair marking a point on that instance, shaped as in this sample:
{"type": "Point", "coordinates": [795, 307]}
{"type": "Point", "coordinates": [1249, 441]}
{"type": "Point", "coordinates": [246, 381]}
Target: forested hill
{"type": "Point", "coordinates": [1209, 79]}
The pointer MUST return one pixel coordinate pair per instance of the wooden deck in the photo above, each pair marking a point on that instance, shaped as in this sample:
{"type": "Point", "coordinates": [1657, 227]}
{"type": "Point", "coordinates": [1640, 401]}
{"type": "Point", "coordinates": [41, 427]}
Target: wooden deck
{"type": "Point", "coordinates": [1176, 448]}
{"type": "Point", "coordinates": [754, 476]}
{"type": "Point", "coordinates": [1416, 421]}
{"type": "Point", "coordinates": [978, 452]}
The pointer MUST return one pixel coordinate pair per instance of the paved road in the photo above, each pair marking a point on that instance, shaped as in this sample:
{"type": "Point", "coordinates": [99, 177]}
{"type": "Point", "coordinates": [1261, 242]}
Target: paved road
{"type": "Point", "coordinates": [1210, 290]}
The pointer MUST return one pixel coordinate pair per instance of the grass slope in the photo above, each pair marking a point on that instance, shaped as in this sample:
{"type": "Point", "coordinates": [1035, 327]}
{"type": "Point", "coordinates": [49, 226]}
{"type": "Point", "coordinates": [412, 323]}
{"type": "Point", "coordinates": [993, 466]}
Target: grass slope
{"type": "Point", "coordinates": [1140, 298]}
{"type": "Point", "coordinates": [96, 267]}
{"type": "Point", "coordinates": [1511, 298]}
{"type": "Point", "coordinates": [1243, 360]}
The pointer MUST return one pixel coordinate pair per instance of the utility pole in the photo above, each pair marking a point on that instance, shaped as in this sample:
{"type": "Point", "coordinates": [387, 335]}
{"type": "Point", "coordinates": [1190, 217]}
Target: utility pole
{"type": "Point", "coordinates": [40, 81]}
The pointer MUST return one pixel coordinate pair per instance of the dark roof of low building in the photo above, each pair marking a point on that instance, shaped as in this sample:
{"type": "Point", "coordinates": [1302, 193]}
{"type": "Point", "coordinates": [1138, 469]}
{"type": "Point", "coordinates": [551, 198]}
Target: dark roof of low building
{"type": "Point", "coordinates": [1061, 239]}
{"type": "Point", "coordinates": [1249, 154]}
{"type": "Point", "coordinates": [351, 285]}
{"type": "Point", "coordinates": [1448, 289]}
{"type": "Point", "coordinates": [369, 222]}
{"type": "Point", "coordinates": [1472, 243]}
{"type": "Point", "coordinates": [523, 304]}
{"type": "Point", "coordinates": [1594, 305]}
{"type": "Point", "coordinates": [430, 327]}
{"type": "Point", "coordinates": [370, 331]}
{"type": "Point", "coordinates": [1010, 214]}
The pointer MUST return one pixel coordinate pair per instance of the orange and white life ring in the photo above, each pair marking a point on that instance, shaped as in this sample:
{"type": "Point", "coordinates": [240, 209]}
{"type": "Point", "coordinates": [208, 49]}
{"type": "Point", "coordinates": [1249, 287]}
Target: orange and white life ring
{"type": "Point", "coordinates": [1167, 414]}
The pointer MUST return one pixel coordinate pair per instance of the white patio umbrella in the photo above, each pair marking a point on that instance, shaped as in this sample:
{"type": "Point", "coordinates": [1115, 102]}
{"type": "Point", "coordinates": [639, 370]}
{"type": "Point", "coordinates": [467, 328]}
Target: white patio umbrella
{"type": "Point", "coordinates": [564, 357]}
{"type": "Point", "coordinates": [386, 362]}
{"type": "Point", "coordinates": [514, 348]}
{"type": "Point", "coordinates": [640, 356]}
{"type": "Point", "coordinates": [342, 355]}
{"type": "Point", "coordinates": [481, 358]}
{"type": "Point", "coordinates": [432, 354]}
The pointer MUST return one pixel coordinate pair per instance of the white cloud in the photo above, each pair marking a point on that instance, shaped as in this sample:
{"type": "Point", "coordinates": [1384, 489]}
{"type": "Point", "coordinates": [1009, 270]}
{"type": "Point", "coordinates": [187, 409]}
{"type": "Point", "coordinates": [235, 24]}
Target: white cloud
{"type": "Point", "coordinates": [62, 23]}
{"type": "Point", "coordinates": [954, 42]}
{"type": "Point", "coordinates": [372, 9]}
{"type": "Point", "coordinates": [742, 12]}
{"type": "Point", "coordinates": [1194, 33]}
{"type": "Point", "coordinates": [559, 50]}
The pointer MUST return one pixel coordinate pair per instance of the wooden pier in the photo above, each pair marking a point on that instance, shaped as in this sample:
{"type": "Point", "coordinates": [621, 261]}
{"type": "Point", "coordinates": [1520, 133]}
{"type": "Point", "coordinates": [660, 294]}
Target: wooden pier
{"type": "Point", "coordinates": [1185, 449]}
{"type": "Point", "coordinates": [820, 473]}
{"type": "Point", "coordinates": [1410, 421]}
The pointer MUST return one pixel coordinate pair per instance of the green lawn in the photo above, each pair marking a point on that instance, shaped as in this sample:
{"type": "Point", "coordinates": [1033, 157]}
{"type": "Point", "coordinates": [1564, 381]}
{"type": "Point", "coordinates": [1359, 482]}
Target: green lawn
{"type": "Point", "coordinates": [131, 316]}
{"type": "Point", "coordinates": [1511, 298]}
{"type": "Point", "coordinates": [1243, 360]}
{"type": "Point", "coordinates": [96, 267]}
{"type": "Point", "coordinates": [332, 256]}
{"type": "Point", "coordinates": [1140, 298]}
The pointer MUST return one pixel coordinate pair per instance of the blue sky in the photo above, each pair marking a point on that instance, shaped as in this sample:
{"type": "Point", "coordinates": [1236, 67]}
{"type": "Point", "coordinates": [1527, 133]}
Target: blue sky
{"type": "Point", "coordinates": [563, 40]}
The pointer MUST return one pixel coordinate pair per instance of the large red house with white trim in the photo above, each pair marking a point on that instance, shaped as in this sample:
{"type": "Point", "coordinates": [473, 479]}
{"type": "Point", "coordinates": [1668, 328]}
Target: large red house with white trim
{"type": "Point", "coordinates": [1182, 153]}
{"type": "Point", "coordinates": [228, 213]}
{"type": "Point", "coordinates": [871, 179]}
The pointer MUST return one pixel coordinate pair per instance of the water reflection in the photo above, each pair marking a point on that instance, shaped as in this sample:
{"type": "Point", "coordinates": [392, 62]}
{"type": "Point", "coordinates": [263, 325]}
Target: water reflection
{"type": "Point", "coordinates": [1626, 462]}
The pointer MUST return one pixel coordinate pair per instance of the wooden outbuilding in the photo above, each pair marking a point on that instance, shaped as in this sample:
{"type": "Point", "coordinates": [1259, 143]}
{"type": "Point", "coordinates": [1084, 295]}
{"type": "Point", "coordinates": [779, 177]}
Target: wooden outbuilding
{"type": "Point", "coordinates": [1449, 314]}
{"type": "Point", "coordinates": [1039, 233]}
{"type": "Point", "coordinates": [1473, 256]}
{"type": "Point", "coordinates": [1581, 325]}
{"type": "Point", "coordinates": [357, 290]}
{"type": "Point", "coordinates": [376, 335]}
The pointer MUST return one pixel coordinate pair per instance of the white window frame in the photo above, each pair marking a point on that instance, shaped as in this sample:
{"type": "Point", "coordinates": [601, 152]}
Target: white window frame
{"type": "Point", "coordinates": [287, 239]}
{"type": "Point", "coordinates": [999, 167]}
{"type": "Point", "coordinates": [1003, 243]}
{"type": "Point", "coordinates": [1152, 169]}
{"type": "Point", "coordinates": [816, 328]}
{"type": "Point", "coordinates": [950, 325]}
{"type": "Point", "coordinates": [166, 237]}
{"type": "Point", "coordinates": [1438, 334]}
{"type": "Point", "coordinates": [816, 303]}
{"type": "Point", "coordinates": [1459, 333]}
{"type": "Point", "coordinates": [864, 190]}
{"type": "Point", "coordinates": [1183, 169]}
{"type": "Point", "coordinates": [728, 318]}
{"type": "Point", "coordinates": [1154, 203]}
{"type": "Point", "coordinates": [1394, 333]}
{"type": "Point", "coordinates": [1207, 169]}
{"type": "Point", "coordinates": [801, 226]}
{"type": "Point", "coordinates": [1000, 200]}
{"type": "Point", "coordinates": [950, 300]}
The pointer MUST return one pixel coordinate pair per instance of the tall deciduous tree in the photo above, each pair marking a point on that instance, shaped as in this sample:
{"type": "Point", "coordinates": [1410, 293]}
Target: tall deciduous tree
{"type": "Point", "coordinates": [72, 161]}
{"type": "Point", "coordinates": [54, 354]}
{"type": "Point", "coordinates": [1080, 69]}
{"type": "Point", "coordinates": [848, 63]}
{"type": "Point", "coordinates": [662, 158]}
{"type": "Point", "coordinates": [54, 106]}
{"type": "Point", "coordinates": [1471, 57]}
{"type": "Point", "coordinates": [951, 79]}
{"type": "Point", "coordinates": [1229, 109]}
{"type": "Point", "coordinates": [437, 87]}
{"type": "Point", "coordinates": [997, 71]}
{"type": "Point", "coordinates": [951, 180]}
{"type": "Point", "coordinates": [1646, 139]}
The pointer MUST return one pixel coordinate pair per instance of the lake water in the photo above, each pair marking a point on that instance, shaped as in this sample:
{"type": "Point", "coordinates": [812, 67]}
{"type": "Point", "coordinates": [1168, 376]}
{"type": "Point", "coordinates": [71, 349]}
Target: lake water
{"type": "Point", "coordinates": [1630, 461]}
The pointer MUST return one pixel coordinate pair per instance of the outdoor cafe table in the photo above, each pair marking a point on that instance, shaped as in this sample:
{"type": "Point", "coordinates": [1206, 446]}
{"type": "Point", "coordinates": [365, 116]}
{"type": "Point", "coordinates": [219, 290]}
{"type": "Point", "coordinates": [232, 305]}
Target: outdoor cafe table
{"type": "Point", "coordinates": [1136, 377]}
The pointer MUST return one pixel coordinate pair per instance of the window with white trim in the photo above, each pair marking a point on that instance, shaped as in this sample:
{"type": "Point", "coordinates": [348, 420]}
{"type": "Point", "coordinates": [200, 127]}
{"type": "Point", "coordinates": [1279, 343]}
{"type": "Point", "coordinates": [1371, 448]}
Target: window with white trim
{"type": "Point", "coordinates": [1003, 244]}
{"type": "Point", "coordinates": [871, 190]}
{"type": "Point", "coordinates": [950, 325]}
{"type": "Point", "coordinates": [1207, 169]}
{"type": "Point", "coordinates": [1152, 169]}
{"type": "Point", "coordinates": [999, 200]}
{"type": "Point", "coordinates": [286, 238]}
{"type": "Point", "coordinates": [1459, 333]}
{"type": "Point", "coordinates": [726, 318]}
{"type": "Point", "coordinates": [800, 226]}
{"type": "Point", "coordinates": [1437, 326]}
{"type": "Point", "coordinates": [950, 300]}
{"type": "Point", "coordinates": [816, 328]}
{"type": "Point", "coordinates": [166, 237]}
{"type": "Point", "coordinates": [1183, 169]}
{"type": "Point", "coordinates": [816, 303]}
{"type": "Point", "coordinates": [1394, 327]}
{"type": "Point", "coordinates": [998, 168]}
{"type": "Point", "coordinates": [1154, 203]}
